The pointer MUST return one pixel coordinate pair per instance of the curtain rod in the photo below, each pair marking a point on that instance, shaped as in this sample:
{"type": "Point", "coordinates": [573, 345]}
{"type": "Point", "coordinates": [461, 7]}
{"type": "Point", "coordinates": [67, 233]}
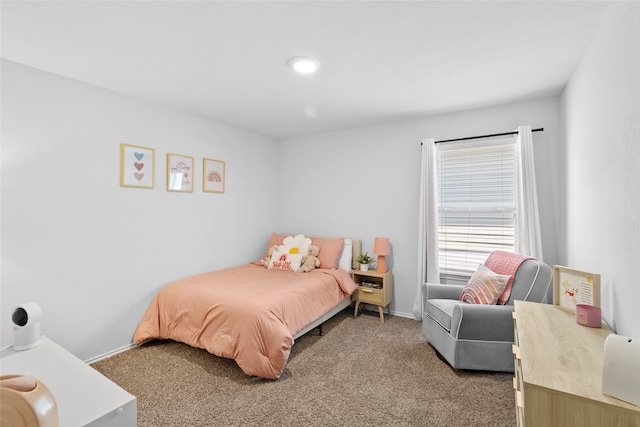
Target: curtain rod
{"type": "Point", "coordinates": [486, 136]}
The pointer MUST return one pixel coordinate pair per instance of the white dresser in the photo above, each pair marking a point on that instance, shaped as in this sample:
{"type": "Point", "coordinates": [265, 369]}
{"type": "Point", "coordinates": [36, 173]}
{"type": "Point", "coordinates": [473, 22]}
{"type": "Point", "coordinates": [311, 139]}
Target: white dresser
{"type": "Point", "coordinates": [83, 395]}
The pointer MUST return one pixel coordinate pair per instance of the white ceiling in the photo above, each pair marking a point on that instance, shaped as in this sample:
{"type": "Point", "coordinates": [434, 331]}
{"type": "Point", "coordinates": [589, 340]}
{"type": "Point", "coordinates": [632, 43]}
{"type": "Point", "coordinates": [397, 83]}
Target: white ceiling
{"type": "Point", "coordinates": [382, 61]}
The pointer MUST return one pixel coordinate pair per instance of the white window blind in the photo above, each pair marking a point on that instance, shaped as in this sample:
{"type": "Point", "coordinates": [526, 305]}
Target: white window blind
{"type": "Point", "coordinates": [476, 201]}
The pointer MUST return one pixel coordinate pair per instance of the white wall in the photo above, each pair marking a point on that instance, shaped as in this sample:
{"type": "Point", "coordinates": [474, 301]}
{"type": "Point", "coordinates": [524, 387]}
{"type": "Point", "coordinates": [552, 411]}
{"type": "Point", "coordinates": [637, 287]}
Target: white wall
{"type": "Point", "coordinates": [364, 182]}
{"type": "Point", "coordinates": [90, 252]}
{"type": "Point", "coordinates": [601, 110]}
{"type": "Point", "coordinates": [93, 254]}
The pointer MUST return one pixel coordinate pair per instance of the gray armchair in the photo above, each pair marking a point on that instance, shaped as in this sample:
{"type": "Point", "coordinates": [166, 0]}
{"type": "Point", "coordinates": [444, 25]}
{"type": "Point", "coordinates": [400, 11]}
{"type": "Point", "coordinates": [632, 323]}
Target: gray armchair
{"type": "Point", "coordinates": [478, 336]}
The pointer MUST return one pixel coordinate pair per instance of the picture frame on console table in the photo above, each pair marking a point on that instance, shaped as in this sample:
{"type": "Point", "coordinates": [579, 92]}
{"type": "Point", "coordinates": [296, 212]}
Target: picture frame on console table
{"type": "Point", "coordinates": [572, 287]}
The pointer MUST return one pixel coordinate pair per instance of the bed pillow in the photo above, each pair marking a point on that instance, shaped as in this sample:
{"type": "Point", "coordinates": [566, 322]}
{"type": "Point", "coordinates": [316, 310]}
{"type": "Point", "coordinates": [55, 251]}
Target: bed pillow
{"type": "Point", "coordinates": [285, 261]}
{"type": "Point", "coordinates": [275, 240]}
{"type": "Point", "coordinates": [330, 252]}
{"type": "Point", "coordinates": [484, 287]}
{"type": "Point", "coordinates": [347, 255]}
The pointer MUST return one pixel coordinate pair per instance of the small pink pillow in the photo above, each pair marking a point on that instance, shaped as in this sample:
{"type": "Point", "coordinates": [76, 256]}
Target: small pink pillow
{"type": "Point", "coordinates": [484, 287]}
{"type": "Point", "coordinates": [330, 252]}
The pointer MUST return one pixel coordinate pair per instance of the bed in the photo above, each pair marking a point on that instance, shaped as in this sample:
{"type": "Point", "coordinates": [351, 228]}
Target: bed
{"type": "Point", "coordinates": [253, 313]}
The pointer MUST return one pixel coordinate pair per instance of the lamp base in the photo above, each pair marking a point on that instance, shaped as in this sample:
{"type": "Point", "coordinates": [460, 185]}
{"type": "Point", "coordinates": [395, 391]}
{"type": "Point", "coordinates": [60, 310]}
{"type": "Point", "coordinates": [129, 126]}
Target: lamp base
{"type": "Point", "coordinates": [382, 264]}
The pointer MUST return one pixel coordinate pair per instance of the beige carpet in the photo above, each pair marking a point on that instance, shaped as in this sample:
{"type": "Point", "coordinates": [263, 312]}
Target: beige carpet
{"type": "Point", "coordinates": [360, 372]}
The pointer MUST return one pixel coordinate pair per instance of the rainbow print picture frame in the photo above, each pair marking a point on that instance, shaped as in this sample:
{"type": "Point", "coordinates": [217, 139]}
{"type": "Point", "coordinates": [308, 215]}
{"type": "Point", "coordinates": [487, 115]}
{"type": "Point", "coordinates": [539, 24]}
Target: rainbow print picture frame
{"type": "Point", "coordinates": [213, 179]}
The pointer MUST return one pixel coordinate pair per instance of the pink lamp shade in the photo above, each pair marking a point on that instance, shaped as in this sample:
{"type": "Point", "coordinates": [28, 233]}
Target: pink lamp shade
{"type": "Point", "coordinates": [382, 248]}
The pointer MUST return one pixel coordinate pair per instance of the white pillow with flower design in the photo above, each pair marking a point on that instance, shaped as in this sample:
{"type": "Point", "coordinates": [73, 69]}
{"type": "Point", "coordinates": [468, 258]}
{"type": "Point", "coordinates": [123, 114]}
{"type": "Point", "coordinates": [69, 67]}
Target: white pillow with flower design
{"type": "Point", "coordinates": [298, 244]}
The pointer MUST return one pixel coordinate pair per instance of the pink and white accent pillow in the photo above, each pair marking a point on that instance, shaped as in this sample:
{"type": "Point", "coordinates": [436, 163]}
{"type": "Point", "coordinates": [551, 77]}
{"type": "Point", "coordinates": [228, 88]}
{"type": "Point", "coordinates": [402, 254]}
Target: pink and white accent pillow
{"type": "Point", "coordinates": [484, 287]}
{"type": "Point", "coordinates": [285, 261]}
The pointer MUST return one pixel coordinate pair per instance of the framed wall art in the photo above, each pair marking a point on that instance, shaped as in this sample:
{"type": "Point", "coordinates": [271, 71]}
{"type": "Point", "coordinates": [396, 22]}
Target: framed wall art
{"type": "Point", "coordinates": [137, 166]}
{"type": "Point", "coordinates": [213, 175]}
{"type": "Point", "coordinates": [572, 287]}
{"type": "Point", "coordinates": [179, 173]}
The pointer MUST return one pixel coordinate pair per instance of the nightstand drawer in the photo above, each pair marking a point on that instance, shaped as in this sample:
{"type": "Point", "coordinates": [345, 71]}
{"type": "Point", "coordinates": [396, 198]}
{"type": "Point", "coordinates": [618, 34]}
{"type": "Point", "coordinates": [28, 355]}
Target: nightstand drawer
{"type": "Point", "coordinates": [370, 296]}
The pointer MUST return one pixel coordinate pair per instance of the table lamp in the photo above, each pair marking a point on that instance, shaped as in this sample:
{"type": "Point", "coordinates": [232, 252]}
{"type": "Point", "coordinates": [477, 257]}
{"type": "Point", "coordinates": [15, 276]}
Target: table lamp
{"type": "Point", "coordinates": [381, 248]}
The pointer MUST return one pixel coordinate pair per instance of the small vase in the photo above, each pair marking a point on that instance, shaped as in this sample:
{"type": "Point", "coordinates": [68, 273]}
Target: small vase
{"type": "Point", "coordinates": [364, 267]}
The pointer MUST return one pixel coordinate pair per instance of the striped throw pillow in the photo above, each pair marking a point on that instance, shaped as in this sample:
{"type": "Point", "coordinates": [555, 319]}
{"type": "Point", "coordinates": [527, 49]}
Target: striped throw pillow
{"type": "Point", "coordinates": [484, 287]}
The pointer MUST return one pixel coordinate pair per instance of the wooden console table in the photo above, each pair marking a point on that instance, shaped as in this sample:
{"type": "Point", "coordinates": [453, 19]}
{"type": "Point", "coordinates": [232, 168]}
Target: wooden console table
{"type": "Point", "coordinates": [558, 371]}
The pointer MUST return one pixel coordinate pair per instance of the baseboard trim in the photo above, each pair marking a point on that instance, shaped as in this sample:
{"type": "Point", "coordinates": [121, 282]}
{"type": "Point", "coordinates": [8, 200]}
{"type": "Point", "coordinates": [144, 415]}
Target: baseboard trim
{"type": "Point", "coordinates": [374, 308]}
{"type": "Point", "coordinates": [109, 354]}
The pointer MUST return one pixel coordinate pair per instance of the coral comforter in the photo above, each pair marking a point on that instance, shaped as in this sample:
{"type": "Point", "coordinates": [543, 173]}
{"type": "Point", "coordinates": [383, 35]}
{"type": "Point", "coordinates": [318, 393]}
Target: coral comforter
{"type": "Point", "coordinates": [246, 313]}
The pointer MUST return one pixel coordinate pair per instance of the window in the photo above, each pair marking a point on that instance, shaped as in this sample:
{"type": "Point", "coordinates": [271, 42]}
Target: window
{"type": "Point", "coordinates": [477, 196]}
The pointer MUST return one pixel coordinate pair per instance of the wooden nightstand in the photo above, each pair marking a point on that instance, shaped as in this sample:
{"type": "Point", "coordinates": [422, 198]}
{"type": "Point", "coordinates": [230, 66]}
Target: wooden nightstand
{"type": "Point", "coordinates": [373, 288]}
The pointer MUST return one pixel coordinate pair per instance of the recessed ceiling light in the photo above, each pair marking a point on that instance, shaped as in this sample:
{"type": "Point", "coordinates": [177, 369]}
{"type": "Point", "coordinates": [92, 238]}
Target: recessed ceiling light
{"type": "Point", "coordinates": [304, 64]}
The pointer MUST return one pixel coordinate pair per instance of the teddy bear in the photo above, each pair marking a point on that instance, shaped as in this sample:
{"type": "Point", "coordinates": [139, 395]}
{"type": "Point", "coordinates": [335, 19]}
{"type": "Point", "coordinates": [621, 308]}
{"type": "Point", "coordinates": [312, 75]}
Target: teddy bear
{"type": "Point", "coordinates": [310, 261]}
{"type": "Point", "coordinates": [265, 261]}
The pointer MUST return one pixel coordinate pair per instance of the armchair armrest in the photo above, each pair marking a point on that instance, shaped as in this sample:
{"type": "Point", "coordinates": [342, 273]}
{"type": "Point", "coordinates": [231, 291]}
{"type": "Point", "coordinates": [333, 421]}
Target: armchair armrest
{"type": "Point", "coordinates": [482, 322]}
{"type": "Point", "coordinates": [439, 291]}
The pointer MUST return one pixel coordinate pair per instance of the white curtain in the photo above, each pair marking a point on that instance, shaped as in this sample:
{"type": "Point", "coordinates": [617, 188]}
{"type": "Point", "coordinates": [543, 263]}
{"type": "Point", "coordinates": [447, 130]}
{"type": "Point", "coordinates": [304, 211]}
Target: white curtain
{"type": "Point", "coordinates": [427, 224]}
{"type": "Point", "coordinates": [529, 236]}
